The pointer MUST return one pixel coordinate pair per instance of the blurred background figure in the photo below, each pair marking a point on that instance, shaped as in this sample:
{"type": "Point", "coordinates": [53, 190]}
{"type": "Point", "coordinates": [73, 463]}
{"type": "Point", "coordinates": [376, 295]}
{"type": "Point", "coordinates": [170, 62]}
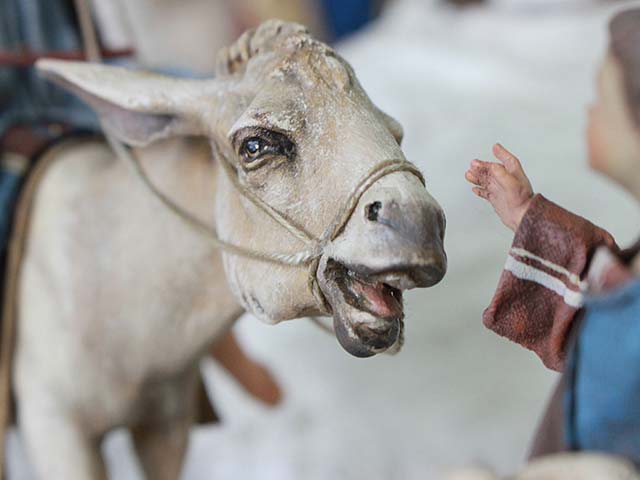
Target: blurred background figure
{"type": "Point", "coordinates": [188, 33]}
{"type": "Point", "coordinates": [198, 28]}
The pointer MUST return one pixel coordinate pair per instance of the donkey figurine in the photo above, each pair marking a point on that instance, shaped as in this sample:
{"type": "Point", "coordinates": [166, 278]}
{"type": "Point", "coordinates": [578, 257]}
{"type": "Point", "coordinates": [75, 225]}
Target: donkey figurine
{"type": "Point", "coordinates": [118, 300]}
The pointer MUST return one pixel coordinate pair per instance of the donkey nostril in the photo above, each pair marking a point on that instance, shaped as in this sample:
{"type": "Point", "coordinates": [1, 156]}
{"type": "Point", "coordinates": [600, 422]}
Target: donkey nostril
{"type": "Point", "coordinates": [371, 211]}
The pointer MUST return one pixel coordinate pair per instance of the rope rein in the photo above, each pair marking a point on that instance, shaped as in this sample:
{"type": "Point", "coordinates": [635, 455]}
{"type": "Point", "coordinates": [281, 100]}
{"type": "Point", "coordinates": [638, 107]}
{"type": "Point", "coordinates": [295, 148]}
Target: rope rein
{"type": "Point", "coordinates": [310, 255]}
{"type": "Point", "coordinates": [125, 154]}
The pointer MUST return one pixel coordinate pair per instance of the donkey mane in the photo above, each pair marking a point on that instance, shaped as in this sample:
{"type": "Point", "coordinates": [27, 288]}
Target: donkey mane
{"type": "Point", "coordinates": [289, 39]}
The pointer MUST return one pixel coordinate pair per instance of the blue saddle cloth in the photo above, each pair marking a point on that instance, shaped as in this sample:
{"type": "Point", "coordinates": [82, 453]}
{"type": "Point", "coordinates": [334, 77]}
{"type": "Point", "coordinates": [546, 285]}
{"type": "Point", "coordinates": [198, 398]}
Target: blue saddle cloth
{"type": "Point", "coordinates": [602, 398]}
{"type": "Point", "coordinates": [26, 98]}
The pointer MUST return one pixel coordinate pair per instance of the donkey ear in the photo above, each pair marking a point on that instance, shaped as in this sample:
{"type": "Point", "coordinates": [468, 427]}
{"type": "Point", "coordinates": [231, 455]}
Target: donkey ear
{"type": "Point", "coordinates": [393, 125]}
{"type": "Point", "coordinates": [137, 107]}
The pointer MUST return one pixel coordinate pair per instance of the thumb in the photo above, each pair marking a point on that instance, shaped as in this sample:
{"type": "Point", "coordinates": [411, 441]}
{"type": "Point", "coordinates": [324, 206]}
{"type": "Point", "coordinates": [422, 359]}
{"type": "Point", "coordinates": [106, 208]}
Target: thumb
{"type": "Point", "coordinates": [509, 160]}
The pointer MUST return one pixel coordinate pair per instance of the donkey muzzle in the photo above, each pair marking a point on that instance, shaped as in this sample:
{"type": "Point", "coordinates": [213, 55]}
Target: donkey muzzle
{"type": "Point", "coordinates": [394, 241]}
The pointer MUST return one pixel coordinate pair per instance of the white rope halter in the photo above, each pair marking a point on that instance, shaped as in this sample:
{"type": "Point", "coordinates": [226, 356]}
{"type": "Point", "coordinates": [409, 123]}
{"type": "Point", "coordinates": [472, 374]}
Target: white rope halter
{"type": "Point", "coordinates": [309, 256]}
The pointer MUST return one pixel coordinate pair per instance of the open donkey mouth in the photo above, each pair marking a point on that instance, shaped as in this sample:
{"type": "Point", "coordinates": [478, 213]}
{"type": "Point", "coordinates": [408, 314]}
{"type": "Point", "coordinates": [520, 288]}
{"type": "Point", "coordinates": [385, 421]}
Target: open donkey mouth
{"type": "Point", "coordinates": [367, 307]}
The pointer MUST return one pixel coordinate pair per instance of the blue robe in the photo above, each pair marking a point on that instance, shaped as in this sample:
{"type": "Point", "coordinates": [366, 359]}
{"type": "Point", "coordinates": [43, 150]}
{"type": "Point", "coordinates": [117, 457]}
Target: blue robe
{"type": "Point", "coordinates": [602, 397]}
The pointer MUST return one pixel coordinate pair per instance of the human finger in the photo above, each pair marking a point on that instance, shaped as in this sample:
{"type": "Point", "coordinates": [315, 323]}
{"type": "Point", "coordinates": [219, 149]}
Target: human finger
{"type": "Point", "coordinates": [509, 160]}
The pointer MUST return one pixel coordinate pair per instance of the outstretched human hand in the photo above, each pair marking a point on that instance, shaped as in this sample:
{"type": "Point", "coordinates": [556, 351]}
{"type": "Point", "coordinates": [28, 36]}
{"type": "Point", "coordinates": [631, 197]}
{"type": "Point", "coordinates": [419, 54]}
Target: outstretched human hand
{"type": "Point", "coordinates": [504, 185]}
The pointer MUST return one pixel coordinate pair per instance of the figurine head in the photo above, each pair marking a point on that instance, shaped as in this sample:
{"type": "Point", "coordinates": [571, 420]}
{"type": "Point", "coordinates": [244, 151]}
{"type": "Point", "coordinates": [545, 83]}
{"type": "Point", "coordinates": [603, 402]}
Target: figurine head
{"type": "Point", "coordinates": [614, 119]}
{"type": "Point", "coordinates": [288, 118]}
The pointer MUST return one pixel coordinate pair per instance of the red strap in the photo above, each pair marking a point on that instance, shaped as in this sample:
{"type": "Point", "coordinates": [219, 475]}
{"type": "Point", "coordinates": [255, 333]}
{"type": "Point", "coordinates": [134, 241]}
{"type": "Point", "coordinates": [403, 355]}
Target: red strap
{"type": "Point", "coordinates": [27, 140]}
{"type": "Point", "coordinates": [27, 58]}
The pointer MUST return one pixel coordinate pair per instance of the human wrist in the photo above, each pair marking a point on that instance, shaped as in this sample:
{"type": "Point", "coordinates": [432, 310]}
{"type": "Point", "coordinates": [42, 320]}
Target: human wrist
{"type": "Point", "coordinates": [520, 213]}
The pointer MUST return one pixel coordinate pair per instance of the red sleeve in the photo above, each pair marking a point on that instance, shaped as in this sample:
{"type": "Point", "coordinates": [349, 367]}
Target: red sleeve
{"type": "Point", "coordinates": [540, 290]}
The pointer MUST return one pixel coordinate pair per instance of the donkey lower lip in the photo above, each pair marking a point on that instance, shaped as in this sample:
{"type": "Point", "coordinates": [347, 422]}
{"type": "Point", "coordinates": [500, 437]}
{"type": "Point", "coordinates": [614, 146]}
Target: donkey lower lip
{"type": "Point", "coordinates": [367, 313]}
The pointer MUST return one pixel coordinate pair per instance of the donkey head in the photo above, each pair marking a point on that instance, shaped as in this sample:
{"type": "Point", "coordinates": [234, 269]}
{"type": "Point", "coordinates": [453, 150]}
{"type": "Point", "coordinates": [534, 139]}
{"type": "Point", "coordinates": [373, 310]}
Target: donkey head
{"type": "Point", "coordinates": [288, 117]}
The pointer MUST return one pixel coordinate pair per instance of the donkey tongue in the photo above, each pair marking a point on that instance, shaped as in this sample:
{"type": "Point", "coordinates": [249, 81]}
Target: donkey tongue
{"type": "Point", "coordinates": [379, 297]}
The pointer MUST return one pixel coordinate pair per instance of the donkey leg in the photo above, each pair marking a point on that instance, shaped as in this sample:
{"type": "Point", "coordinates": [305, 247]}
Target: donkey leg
{"type": "Point", "coordinates": [161, 447]}
{"type": "Point", "coordinates": [161, 435]}
{"type": "Point", "coordinates": [56, 446]}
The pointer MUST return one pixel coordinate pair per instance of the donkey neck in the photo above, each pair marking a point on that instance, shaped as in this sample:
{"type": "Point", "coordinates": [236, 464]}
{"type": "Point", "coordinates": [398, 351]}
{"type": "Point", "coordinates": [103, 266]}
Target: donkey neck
{"type": "Point", "coordinates": [183, 169]}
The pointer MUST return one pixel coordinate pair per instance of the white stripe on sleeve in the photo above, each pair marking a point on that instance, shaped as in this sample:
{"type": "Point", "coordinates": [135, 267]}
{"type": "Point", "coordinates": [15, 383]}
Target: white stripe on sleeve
{"type": "Point", "coordinates": [572, 277]}
{"type": "Point", "coordinates": [526, 272]}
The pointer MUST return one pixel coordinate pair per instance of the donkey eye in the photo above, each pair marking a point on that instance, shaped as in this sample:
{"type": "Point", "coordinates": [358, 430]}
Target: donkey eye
{"type": "Point", "coordinates": [267, 145]}
{"type": "Point", "coordinates": [252, 148]}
